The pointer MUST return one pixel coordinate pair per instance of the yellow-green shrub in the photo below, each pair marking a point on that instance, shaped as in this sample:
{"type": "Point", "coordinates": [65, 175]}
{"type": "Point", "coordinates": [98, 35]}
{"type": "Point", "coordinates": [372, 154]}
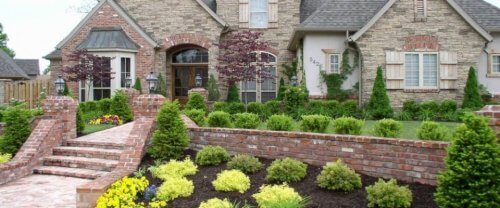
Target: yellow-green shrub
{"type": "Point", "coordinates": [277, 196]}
{"type": "Point", "coordinates": [174, 188]}
{"type": "Point", "coordinates": [4, 158]}
{"type": "Point", "coordinates": [338, 176]}
{"type": "Point", "coordinates": [122, 193]}
{"type": "Point", "coordinates": [232, 180]}
{"type": "Point", "coordinates": [217, 203]}
{"type": "Point", "coordinates": [175, 168]}
{"type": "Point", "coordinates": [388, 194]}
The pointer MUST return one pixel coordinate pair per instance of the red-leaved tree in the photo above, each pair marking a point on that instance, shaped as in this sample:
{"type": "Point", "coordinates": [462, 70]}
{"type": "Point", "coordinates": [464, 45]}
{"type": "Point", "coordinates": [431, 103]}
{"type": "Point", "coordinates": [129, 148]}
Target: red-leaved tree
{"type": "Point", "coordinates": [88, 68]}
{"type": "Point", "coordinates": [238, 60]}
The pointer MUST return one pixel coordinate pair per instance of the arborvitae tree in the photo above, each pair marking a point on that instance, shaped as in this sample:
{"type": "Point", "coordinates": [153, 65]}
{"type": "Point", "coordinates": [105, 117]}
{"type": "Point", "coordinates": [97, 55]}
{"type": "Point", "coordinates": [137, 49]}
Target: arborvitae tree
{"type": "Point", "coordinates": [17, 130]}
{"type": "Point", "coordinates": [80, 123]}
{"type": "Point", "coordinates": [472, 97]}
{"type": "Point", "coordinates": [196, 101]}
{"type": "Point", "coordinates": [472, 176]}
{"type": "Point", "coordinates": [233, 94]}
{"type": "Point", "coordinates": [162, 88]}
{"type": "Point", "coordinates": [213, 89]}
{"type": "Point", "coordinates": [171, 136]}
{"type": "Point", "coordinates": [379, 106]}
{"type": "Point", "coordinates": [281, 90]}
{"type": "Point", "coordinates": [120, 107]}
{"type": "Point", "coordinates": [137, 85]}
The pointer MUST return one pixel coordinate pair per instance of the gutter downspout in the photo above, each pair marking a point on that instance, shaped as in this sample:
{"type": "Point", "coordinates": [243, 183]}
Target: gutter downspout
{"type": "Point", "coordinates": [360, 67]}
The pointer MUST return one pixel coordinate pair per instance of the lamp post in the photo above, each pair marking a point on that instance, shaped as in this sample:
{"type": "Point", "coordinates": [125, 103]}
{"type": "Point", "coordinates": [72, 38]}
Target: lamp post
{"type": "Point", "coordinates": [198, 81]}
{"type": "Point", "coordinates": [128, 82]}
{"type": "Point", "coordinates": [152, 82]}
{"type": "Point", "coordinates": [59, 83]}
{"type": "Point", "coordinates": [294, 81]}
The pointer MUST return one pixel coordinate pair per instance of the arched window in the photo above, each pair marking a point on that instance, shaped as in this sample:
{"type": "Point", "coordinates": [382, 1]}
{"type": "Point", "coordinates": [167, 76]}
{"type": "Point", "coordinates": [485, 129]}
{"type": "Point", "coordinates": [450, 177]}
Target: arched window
{"type": "Point", "coordinates": [262, 90]}
{"type": "Point", "coordinates": [190, 56]}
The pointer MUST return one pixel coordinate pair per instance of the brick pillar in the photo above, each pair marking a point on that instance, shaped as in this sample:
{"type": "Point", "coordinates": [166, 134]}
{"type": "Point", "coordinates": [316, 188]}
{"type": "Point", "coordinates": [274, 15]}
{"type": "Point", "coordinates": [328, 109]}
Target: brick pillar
{"type": "Point", "coordinates": [492, 112]}
{"type": "Point", "coordinates": [132, 94]}
{"type": "Point", "coordinates": [148, 105]}
{"type": "Point", "coordinates": [202, 91]}
{"type": "Point", "coordinates": [63, 109]}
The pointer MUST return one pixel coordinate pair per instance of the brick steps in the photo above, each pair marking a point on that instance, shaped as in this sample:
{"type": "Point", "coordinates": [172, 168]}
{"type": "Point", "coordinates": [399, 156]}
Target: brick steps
{"type": "Point", "coordinates": [94, 144]}
{"type": "Point", "coordinates": [89, 152]}
{"type": "Point", "coordinates": [80, 162]}
{"type": "Point", "coordinates": [69, 172]}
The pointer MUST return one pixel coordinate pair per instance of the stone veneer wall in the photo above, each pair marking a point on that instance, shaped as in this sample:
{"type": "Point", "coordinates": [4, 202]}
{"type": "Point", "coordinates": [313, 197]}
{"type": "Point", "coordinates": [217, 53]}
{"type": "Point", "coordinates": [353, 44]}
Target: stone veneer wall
{"type": "Point", "coordinates": [390, 32]}
{"type": "Point", "coordinates": [406, 160]}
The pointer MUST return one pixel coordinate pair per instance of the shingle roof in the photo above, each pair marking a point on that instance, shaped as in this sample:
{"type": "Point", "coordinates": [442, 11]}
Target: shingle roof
{"type": "Point", "coordinates": [308, 7]}
{"type": "Point", "coordinates": [30, 66]}
{"type": "Point", "coordinates": [55, 54]}
{"type": "Point", "coordinates": [485, 14]}
{"type": "Point", "coordinates": [9, 69]}
{"type": "Point", "coordinates": [107, 38]}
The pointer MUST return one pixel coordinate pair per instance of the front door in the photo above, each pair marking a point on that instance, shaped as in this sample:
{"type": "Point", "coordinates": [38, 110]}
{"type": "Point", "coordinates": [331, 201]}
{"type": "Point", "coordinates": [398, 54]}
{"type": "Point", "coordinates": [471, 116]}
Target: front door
{"type": "Point", "coordinates": [184, 80]}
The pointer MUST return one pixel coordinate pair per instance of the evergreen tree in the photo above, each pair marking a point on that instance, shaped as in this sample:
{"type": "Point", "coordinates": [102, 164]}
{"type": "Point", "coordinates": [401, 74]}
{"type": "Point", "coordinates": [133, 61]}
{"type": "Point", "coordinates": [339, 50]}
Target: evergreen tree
{"type": "Point", "coordinates": [379, 106]}
{"type": "Point", "coordinates": [233, 94]}
{"type": "Point", "coordinates": [472, 97]}
{"type": "Point", "coordinates": [196, 101]}
{"type": "Point", "coordinates": [162, 88]}
{"type": "Point", "coordinates": [281, 90]}
{"type": "Point", "coordinates": [137, 85]}
{"type": "Point", "coordinates": [213, 89]}
{"type": "Point", "coordinates": [17, 130]}
{"type": "Point", "coordinates": [171, 136]}
{"type": "Point", "coordinates": [472, 176]}
{"type": "Point", "coordinates": [3, 43]}
{"type": "Point", "coordinates": [80, 123]}
{"type": "Point", "coordinates": [120, 107]}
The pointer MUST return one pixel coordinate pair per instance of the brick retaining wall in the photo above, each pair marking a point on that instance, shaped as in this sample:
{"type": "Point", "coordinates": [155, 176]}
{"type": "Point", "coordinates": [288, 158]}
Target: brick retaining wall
{"type": "Point", "coordinates": [493, 113]}
{"type": "Point", "coordinates": [405, 160]}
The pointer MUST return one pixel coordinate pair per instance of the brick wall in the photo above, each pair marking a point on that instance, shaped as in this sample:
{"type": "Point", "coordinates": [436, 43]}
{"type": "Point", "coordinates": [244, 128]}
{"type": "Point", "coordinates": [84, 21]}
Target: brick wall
{"type": "Point", "coordinates": [148, 105]}
{"type": "Point", "coordinates": [406, 160]}
{"type": "Point", "coordinates": [492, 112]}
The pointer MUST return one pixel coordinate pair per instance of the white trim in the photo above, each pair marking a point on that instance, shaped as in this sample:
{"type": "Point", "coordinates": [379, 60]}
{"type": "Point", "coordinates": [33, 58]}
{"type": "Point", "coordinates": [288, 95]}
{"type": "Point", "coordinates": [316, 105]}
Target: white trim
{"type": "Point", "coordinates": [118, 10]}
{"type": "Point", "coordinates": [112, 50]}
{"type": "Point", "coordinates": [329, 63]}
{"type": "Point", "coordinates": [212, 13]}
{"type": "Point", "coordinates": [493, 72]}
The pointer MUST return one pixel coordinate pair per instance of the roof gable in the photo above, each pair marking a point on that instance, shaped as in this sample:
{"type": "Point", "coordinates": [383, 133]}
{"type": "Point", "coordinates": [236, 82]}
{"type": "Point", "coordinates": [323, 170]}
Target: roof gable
{"type": "Point", "coordinates": [9, 69]}
{"type": "Point", "coordinates": [485, 14]}
{"type": "Point", "coordinates": [30, 66]}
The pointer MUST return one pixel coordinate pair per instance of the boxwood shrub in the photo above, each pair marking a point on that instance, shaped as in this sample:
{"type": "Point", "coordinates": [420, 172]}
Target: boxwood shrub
{"type": "Point", "coordinates": [245, 163]}
{"type": "Point", "coordinates": [348, 125]}
{"type": "Point", "coordinates": [338, 177]}
{"type": "Point", "coordinates": [219, 119]}
{"type": "Point", "coordinates": [197, 115]}
{"type": "Point", "coordinates": [387, 128]}
{"type": "Point", "coordinates": [212, 155]}
{"type": "Point", "coordinates": [430, 130]}
{"type": "Point", "coordinates": [388, 195]}
{"type": "Point", "coordinates": [246, 120]}
{"type": "Point", "coordinates": [286, 170]}
{"type": "Point", "coordinates": [315, 123]}
{"type": "Point", "coordinates": [280, 123]}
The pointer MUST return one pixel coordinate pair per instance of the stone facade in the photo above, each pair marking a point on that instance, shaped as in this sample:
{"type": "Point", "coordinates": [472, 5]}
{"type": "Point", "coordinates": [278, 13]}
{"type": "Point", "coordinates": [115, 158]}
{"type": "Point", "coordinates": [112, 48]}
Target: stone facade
{"type": "Point", "coordinates": [393, 29]}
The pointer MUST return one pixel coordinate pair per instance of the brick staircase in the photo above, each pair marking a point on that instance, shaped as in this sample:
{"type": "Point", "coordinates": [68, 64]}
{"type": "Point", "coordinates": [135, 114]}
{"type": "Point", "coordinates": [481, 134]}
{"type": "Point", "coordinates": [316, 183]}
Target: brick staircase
{"type": "Point", "coordinates": [81, 159]}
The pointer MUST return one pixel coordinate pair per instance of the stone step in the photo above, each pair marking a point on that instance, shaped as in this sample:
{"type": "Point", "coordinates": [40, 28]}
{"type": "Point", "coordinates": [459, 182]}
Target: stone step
{"type": "Point", "coordinates": [90, 152]}
{"type": "Point", "coordinates": [69, 172]}
{"type": "Point", "coordinates": [81, 162]}
{"type": "Point", "coordinates": [94, 144]}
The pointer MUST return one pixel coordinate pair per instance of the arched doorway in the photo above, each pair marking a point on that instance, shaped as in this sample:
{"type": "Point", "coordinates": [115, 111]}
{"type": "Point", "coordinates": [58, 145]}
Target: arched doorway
{"type": "Point", "coordinates": [186, 64]}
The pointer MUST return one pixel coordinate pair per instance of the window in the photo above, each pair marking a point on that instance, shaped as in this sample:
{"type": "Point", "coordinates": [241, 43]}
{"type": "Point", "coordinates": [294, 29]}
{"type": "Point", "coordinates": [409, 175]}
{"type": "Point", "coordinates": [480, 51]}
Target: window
{"type": "Point", "coordinates": [420, 10]}
{"type": "Point", "coordinates": [334, 63]}
{"type": "Point", "coordinates": [495, 64]}
{"type": "Point", "coordinates": [125, 71]}
{"type": "Point", "coordinates": [261, 90]}
{"type": "Point", "coordinates": [99, 88]}
{"type": "Point", "coordinates": [190, 56]}
{"type": "Point", "coordinates": [421, 70]}
{"type": "Point", "coordinates": [258, 13]}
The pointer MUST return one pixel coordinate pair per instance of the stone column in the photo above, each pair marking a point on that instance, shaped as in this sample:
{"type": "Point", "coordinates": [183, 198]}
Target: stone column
{"type": "Point", "coordinates": [63, 109]}
{"type": "Point", "coordinates": [148, 105]}
{"type": "Point", "coordinates": [492, 112]}
{"type": "Point", "coordinates": [202, 91]}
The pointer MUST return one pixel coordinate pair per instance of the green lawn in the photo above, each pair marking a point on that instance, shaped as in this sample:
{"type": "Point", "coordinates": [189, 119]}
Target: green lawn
{"type": "Point", "coordinates": [409, 130]}
{"type": "Point", "coordinates": [89, 129]}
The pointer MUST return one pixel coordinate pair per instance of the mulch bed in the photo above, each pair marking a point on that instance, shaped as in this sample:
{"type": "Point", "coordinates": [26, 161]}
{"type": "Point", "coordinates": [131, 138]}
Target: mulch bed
{"type": "Point", "coordinates": [422, 194]}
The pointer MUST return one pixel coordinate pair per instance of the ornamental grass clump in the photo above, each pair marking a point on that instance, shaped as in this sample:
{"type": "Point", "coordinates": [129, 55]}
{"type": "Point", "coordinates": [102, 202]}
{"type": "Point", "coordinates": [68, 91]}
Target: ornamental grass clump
{"type": "Point", "coordinates": [219, 119]}
{"type": "Point", "coordinates": [122, 193]}
{"type": "Point", "coordinates": [232, 180]}
{"type": "Point", "coordinates": [175, 168]}
{"type": "Point", "coordinates": [197, 116]}
{"type": "Point", "coordinates": [286, 170]}
{"type": "Point", "coordinates": [315, 123]}
{"type": "Point", "coordinates": [174, 188]}
{"type": "Point", "coordinates": [348, 125]}
{"type": "Point", "coordinates": [280, 123]}
{"type": "Point", "coordinates": [387, 128]}
{"type": "Point", "coordinates": [246, 120]}
{"type": "Point", "coordinates": [246, 163]}
{"type": "Point", "coordinates": [388, 195]}
{"type": "Point", "coordinates": [430, 130]}
{"type": "Point", "coordinates": [279, 196]}
{"type": "Point", "coordinates": [338, 177]}
{"type": "Point", "coordinates": [212, 155]}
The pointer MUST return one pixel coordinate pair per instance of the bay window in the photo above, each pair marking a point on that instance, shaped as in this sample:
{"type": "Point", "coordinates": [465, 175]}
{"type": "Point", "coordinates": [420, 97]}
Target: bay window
{"type": "Point", "coordinates": [421, 70]}
{"type": "Point", "coordinates": [258, 13]}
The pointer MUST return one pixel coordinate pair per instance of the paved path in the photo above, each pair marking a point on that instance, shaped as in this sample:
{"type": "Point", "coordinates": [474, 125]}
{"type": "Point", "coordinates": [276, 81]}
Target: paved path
{"type": "Point", "coordinates": [114, 135]}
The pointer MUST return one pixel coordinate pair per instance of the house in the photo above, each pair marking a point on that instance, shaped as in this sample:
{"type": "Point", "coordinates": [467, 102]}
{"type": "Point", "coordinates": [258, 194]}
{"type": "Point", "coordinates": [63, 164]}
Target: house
{"type": "Point", "coordinates": [9, 71]}
{"type": "Point", "coordinates": [177, 39]}
{"type": "Point", "coordinates": [425, 47]}
{"type": "Point", "coordinates": [30, 66]}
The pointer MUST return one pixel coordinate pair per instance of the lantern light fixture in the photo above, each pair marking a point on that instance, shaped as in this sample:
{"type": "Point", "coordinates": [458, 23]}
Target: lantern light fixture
{"type": "Point", "coordinates": [59, 83]}
{"type": "Point", "coordinates": [152, 81]}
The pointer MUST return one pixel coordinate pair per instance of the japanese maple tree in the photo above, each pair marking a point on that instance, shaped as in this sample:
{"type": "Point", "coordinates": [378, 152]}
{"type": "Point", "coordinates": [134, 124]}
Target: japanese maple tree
{"type": "Point", "coordinates": [239, 60]}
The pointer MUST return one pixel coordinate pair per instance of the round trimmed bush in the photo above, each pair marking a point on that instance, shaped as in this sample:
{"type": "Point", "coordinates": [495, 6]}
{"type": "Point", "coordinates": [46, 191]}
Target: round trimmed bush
{"type": "Point", "coordinates": [387, 128]}
{"type": "Point", "coordinates": [219, 119]}
{"type": "Point", "coordinates": [246, 120]}
{"type": "Point", "coordinates": [278, 196]}
{"type": "Point", "coordinates": [246, 163]}
{"type": "Point", "coordinates": [232, 180]}
{"type": "Point", "coordinates": [348, 125]}
{"type": "Point", "coordinates": [273, 107]}
{"type": "Point", "coordinates": [174, 188]}
{"type": "Point", "coordinates": [221, 106]}
{"type": "Point", "coordinates": [212, 155]}
{"type": "Point", "coordinates": [338, 177]}
{"type": "Point", "coordinates": [235, 107]}
{"type": "Point", "coordinates": [388, 195]}
{"type": "Point", "coordinates": [315, 123]}
{"type": "Point", "coordinates": [430, 130]}
{"type": "Point", "coordinates": [175, 168]}
{"type": "Point", "coordinates": [280, 123]}
{"type": "Point", "coordinates": [197, 115]}
{"type": "Point", "coordinates": [286, 170]}
{"type": "Point", "coordinates": [217, 203]}
{"type": "Point", "coordinates": [196, 101]}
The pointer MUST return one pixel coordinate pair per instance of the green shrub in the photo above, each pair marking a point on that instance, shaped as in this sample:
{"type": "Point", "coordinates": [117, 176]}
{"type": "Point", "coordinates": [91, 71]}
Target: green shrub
{"type": "Point", "coordinates": [388, 195]}
{"type": "Point", "coordinates": [17, 130]}
{"type": "Point", "coordinates": [412, 108]}
{"type": "Point", "coordinates": [162, 86]}
{"type": "Point", "coordinates": [217, 203]}
{"type": "Point", "coordinates": [259, 109]}
{"type": "Point", "coordinates": [234, 108]}
{"type": "Point", "coordinates": [281, 89]}
{"type": "Point", "coordinates": [349, 109]}
{"type": "Point", "coordinates": [334, 108]}
{"type": "Point", "coordinates": [280, 123]}
{"type": "Point", "coordinates": [104, 105]}
{"type": "Point", "coordinates": [315, 107]}
{"type": "Point", "coordinates": [338, 177]}
{"type": "Point", "coordinates": [213, 89]}
{"type": "Point", "coordinates": [174, 188]}
{"type": "Point", "coordinates": [471, 176]}
{"type": "Point", "coordinates": [315, 123]}
{"type": "Point", "coordinates": [219, 119]}
{"type": "Point", "coordinates": [286, 170]}
{"type": "Point", "coordinates": [348, 125]}
{"type": "Point", "coordinates": [379, 105]}
{"type": "Point", "coordinates": [273, 107]}
{"type": "Point", "coordinates": [196, 101]}
{"type": "Point", "coordinates": [472, 96]}
{"type": "Point", "coordinates": [233, 94]}
{"type": "Point", "coordinates": [212, 155]}
{"type": "Point", "coordinates": [430, 130]}
{"type": "Point", "coordinates": [279, 196]}
{"type": "Point", "coordinates": [171, 137]}
{"type": "Point", "coordinates": [80, 123]}
{"type": "Point", "coordinates": [120, 107]}
{"type": "Point", "coordinates": [175, 168]}
{"type": "Point", "coordinates": [4, 158]}
{"type": "Point", "coordinates": [197, 115]}
{"type": "Point", "coordinates": [232, 180]}
{"type": "Point", "coordinates": [221, 106]}
{"type": "Point", "coordinates": [295, 98]}
{"type": "Point", "coordinates": [246, 163]}
{"type": "Point", "coordinates": [403, 116]}
{"type": "Point", "coordinates": [387, 128]}
{"type": "Point", "coordinates": [429, 111]}
{"type": "Point", "coordinates": [246, 120]}
{"type": "Point", "coordinates": [448, 106]}
{"type": "Point", "coordinates": [137, 85]}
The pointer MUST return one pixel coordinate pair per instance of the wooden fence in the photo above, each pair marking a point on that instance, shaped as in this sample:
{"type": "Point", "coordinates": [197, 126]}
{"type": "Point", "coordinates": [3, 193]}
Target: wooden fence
{"type": "Point", "coordinates": [28, 91]}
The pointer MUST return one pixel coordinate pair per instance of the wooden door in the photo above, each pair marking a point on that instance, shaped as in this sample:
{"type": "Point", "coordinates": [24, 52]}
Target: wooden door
{"type": "Point", "coordinates": [185, 79]}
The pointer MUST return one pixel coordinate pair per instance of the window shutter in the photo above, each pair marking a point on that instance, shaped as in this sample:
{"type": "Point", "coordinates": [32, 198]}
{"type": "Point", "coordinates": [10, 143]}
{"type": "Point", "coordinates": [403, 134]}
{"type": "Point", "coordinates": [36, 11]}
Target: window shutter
{"type": "Point", "coordinates": [244, 14]}
{"type": "Point", "coordinates": [395, 71]}
{"type": "Point", "coordinates": [448, 70]}
{"type": "Point", "coordinates": [420, 10]}
{"type": "Point", "coordinates": [273, 13]}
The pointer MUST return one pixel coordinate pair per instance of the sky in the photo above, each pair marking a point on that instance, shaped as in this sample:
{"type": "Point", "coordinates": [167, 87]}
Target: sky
{"type": "Point", "coordinates": [35, 27]}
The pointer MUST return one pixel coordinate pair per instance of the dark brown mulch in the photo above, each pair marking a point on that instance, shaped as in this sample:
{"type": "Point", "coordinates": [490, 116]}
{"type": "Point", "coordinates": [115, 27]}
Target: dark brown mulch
{"type": "Point", "coordinates": [422, 194]}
